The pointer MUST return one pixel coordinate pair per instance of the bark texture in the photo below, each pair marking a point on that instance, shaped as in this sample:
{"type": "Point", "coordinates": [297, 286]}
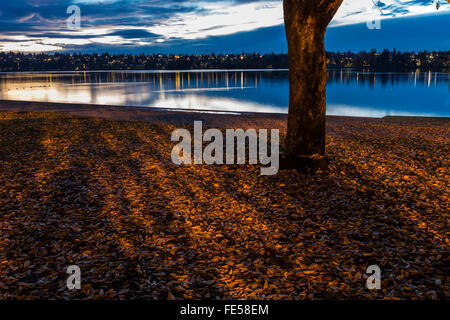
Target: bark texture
{"type": "Point", "coordinates": [305, 23]}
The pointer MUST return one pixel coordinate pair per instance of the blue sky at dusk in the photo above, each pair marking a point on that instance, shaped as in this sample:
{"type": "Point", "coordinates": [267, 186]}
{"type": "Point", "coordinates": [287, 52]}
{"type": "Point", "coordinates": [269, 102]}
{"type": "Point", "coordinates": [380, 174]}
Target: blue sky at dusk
{"type": "Point", "coordinates": [176, 26]}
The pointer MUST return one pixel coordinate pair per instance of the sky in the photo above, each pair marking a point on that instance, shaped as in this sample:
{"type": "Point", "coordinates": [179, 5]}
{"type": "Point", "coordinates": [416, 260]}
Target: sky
{"type": "Point", "coordinates": [220, 26]}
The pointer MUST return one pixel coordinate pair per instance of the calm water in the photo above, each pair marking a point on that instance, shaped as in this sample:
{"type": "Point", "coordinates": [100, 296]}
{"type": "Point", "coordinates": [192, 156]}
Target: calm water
{"type": "Point", "coordinates": [348, 92]}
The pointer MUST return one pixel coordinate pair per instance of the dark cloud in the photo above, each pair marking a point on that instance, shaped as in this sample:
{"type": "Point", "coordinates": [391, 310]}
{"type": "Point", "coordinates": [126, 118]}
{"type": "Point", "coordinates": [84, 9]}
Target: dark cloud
{"type": "Point", "coordinates": [47, 19]}
{"type": "Point", "coordinates": [134, 33]}
{"type": "Point", "coordinates": [411, 33]}
{"type": "Point", "coordinates": [53, 14]}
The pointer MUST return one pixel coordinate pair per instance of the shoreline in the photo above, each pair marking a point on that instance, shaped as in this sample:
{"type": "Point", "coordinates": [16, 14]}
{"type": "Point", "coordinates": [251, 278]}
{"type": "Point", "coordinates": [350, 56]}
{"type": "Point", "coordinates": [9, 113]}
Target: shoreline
{"type": "Point", "coordinates": [176, 116]}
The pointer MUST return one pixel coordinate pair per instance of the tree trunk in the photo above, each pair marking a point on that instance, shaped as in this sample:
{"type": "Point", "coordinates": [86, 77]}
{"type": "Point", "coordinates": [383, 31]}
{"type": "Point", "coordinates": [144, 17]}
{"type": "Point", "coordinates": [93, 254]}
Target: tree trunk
{"type": "Point", "coordinates": [305, 23]}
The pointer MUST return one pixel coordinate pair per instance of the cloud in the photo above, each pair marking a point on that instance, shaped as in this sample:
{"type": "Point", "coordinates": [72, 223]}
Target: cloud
{"type": "Point", "coordinates": [357, 11]}
{"type": "Point", "coordinates": [410, 33]}
{"type": "Point", "coordinates": [218, 25]}
{"type": "Point", "coordinates": [134, 34]}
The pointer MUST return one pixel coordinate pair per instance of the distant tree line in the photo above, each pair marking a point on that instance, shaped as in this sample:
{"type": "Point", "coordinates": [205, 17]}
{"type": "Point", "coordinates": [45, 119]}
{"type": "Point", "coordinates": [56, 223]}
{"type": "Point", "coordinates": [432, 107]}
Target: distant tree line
{"type": "Point", "coordinates": [379, 61]}
{"type": "Point", "coordinates": [391, 60]}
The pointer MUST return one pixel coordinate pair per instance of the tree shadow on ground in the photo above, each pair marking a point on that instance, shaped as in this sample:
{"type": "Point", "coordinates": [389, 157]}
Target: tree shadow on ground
{"type": "Point", "coordinates": [104, 195]}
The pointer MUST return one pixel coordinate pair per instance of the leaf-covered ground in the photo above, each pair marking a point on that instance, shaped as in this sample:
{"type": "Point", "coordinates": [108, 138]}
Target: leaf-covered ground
{"type": "Point", "coordinates": [104, 195]}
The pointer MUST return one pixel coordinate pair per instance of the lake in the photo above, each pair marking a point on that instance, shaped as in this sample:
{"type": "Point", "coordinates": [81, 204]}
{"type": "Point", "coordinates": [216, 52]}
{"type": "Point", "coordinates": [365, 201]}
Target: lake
{"type": "Point", "coordinates": [350, 93]}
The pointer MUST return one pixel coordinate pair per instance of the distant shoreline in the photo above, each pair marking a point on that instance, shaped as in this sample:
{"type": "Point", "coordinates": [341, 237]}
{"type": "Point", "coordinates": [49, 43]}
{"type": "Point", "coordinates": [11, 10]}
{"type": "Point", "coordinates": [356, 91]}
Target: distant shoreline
{"type": "Point", "coordinates": [151, 71]}
{"type": "Point", "coordinates": [329, 68]}
{"type": "Point", "coordinates": [384, 61]}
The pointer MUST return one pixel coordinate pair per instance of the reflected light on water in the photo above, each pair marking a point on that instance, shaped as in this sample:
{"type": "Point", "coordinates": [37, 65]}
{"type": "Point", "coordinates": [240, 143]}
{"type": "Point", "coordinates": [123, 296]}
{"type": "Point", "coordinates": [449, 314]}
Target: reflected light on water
{"type": "Point", "coordinates": [348, 93]}
{"type": "Point", "coordinates": [200, 102]}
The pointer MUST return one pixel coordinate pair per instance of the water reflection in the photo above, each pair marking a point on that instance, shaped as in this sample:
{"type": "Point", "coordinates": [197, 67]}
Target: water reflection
{"type": "Point", "coordinates": [352, 93]}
